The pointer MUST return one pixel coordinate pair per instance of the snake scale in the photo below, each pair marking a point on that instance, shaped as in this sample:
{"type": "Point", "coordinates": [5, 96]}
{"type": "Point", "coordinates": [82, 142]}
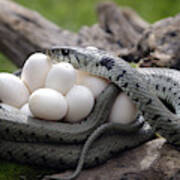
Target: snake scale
{"type": "Point", "coordinates": [58, 145]}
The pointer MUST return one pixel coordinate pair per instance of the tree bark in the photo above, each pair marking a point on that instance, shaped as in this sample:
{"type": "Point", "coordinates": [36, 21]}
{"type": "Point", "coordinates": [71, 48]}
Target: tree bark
{"type": "Point", "coordinates": [23, 31]}
{"type": "Point", "coordinates": [159, 45]}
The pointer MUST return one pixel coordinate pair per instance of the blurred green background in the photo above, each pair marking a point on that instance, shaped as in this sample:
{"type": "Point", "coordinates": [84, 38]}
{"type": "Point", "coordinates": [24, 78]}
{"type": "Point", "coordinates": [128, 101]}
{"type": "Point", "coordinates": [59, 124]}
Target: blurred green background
{"type": "Point", "coordinates": [72, 14]}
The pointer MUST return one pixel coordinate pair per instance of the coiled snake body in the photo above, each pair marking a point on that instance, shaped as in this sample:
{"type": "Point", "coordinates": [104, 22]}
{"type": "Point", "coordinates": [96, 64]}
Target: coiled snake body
{"type": "Point", "coordinates": [25, 140]}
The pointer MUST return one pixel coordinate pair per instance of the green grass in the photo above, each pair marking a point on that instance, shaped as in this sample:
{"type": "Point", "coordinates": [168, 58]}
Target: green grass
{"type": "Point", "coordinates": [12, 171]}
{"type": "Point", "coordinates": [6, 65]}
{"type": "Point", "coordinates": [72, 14]}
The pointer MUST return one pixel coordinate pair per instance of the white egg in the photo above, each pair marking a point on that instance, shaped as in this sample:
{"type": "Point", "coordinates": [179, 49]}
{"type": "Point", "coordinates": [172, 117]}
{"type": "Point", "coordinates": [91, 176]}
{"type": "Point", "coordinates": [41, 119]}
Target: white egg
{"type": "Point", "coordinates": [25, 109]}
{"type": "Point", "coordinates": [48, 104]}
{"type": "Point", "coordinates": [9, 107]}
{"type": "Point", "coordinates": [80, 75]}
{"type": "Point", "coordinates": [123, 110]}
{"type": "Point", "coordinates": [80, 102]}
{"type": "Point", "coordinates": [61, 77]}
{"type": "Point", "coordinates": [35, 71]}
{"type": "Point", "coordinates": [94, 83]}
{"type": "Point", "coordinates": [12, 90]}
{"type": "Point", "coordinates": [91, 48]}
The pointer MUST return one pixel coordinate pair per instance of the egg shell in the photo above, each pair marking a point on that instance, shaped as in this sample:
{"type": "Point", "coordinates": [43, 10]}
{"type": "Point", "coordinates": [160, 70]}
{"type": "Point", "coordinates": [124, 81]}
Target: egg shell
{"type": "Point", "coordinates": [61, 77]}
{"type": "Point", "coordinates": [12, 90]}
{"type": "Point", "coordinates": [35, 71]}
{"type": "Point", "coordinates": [94, 83]}
{"type": "Point", "coordinates": [9, 107]}
{"type": "Point", "coordinates": [80, 102]}
{"type": "Point", "coordinates": [25, 109]}
{"type": "Point", "coordinates": [48, 104]}
{"type": "Point", "coordinates": [123, 110]}
{"type": "Point", "coordinates": [80, 76]}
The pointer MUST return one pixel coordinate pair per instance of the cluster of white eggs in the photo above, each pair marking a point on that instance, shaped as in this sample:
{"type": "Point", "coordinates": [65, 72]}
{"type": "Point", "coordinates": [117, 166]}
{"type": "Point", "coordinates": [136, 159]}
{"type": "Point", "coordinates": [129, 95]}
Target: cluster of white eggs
{"type": "Point", "coordinates": [58, 91]}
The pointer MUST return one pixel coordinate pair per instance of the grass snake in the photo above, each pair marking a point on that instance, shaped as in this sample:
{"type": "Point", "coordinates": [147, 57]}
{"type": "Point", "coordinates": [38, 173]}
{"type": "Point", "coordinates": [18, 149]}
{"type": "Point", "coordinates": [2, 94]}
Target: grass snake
{"type": "Point", "coordinates": [59, 145]}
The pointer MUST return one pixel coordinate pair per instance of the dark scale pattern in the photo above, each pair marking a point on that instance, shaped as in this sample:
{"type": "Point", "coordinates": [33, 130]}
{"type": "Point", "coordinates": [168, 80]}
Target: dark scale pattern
{"type": "Point", "coordinates": [136, 99]}
{"type": "Point", "coordinates": [164, 89]}
{"type": "Point", "coordinates": [137, 85]}
{"type": "Point", "coordinates": [168, 79]}
{"type": "Point", "coordinates": [125, 85]}
{"type": "Point", "coordinates": [33, 134]}
{"type": "Point", "coordinates": [120, 75]}
{"type": "Point", "coordinates": [77, 58]}
{"type": "Point", "coordinates": [156, 117]}
{"type": "Point", "coordinates": [169, 120]}
{"type": "Point", "coordinates": [7, 130]}
{"type": "Point", "coordinates": [65, 52]}
{"type": "Point", "coordinates": [14, 138]}
{"type": "Point", "coordinates": [47, 136]}
{"type": "Point", "coordinates": [128, 93]}
{"type": "Point", "coordinates": [9, 152]}
{"type": "Point", "coordinates": [43, 158]}
{"type": "Point", "coordinates": [157, 86]}
{"type": "Point", "coordinates": [26, 155]}
{"type": "Point", "coordinates": [107, 62]}
{"type": "Point", "coordinates": [149, 102]}
{"type": "Point", "coordinates": [143, 113]}
{"type": "Point", "coordinates": [20, 132]}
{"type": "Point", "coordinates": [170, 88]}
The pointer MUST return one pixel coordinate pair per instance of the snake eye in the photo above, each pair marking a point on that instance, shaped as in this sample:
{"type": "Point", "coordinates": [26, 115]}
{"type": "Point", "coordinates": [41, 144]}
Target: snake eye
{"type": "Point", "coordinates": [65, 52]}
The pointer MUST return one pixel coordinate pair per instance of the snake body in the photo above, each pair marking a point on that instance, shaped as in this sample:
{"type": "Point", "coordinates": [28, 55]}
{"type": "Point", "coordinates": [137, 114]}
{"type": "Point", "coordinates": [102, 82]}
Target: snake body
{"type": "Point", "coordinates": [58, 146]}
{"type": "Point", "coordinates": [133, 83]}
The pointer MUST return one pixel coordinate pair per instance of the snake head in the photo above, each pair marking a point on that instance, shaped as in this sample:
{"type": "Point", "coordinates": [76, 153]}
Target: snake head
{"type": "Point", "coordinates": [78, 57]}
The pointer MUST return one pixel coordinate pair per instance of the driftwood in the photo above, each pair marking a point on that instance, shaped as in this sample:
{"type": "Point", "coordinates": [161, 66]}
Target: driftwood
{"type": "Point", "coordinates": [160, 45]}
{"type": "Point", "coordinates": [23, 31]}
{"type": "Point", "coordinates": [122, 32]}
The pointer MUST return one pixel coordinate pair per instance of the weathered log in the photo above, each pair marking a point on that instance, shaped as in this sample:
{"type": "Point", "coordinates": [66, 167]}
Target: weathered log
{"type": "Point", "coordinates": [23, 31]}
{"type": "Point", "coordinates": [124, 26]}
{"type": "Point", "coordinates": [119, 29]}
{"type": "Point", "coordinates": [160, 46]}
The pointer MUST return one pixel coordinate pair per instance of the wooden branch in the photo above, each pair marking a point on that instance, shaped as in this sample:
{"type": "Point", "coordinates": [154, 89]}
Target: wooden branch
{"type": "Point", "coordinates": [125, 26]}
{"type": "Point", "coordinates": [23, 31]}
{"type": "Point", "coordinates": [160, 46]}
